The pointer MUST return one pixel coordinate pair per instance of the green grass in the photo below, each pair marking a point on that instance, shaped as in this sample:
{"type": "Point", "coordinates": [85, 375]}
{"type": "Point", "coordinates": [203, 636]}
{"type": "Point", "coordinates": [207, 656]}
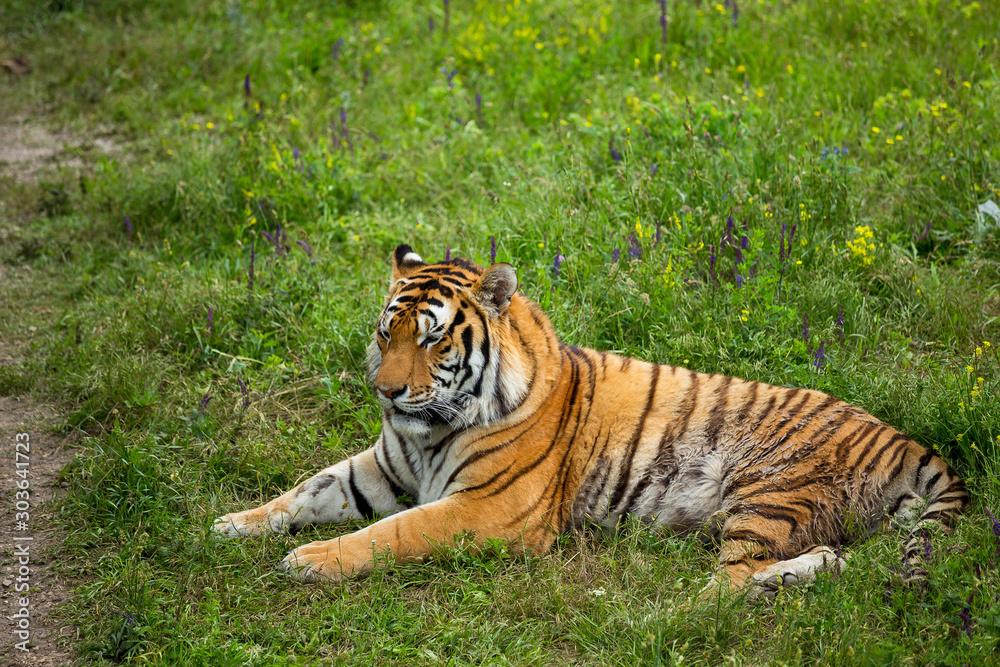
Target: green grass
{"type": "Point", "coordinates": [715, 122]}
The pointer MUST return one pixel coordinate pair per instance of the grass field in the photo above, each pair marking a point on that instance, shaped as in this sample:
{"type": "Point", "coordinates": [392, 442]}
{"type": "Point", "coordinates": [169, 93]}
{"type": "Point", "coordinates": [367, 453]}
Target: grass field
{"type": "Point", "coordinates": [849, 142]}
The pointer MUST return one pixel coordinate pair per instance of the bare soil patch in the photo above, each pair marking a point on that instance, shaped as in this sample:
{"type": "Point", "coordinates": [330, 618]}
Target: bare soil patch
{"type": "Point", "coordinates": [27, 148]}
{"type": "Point", "coordinates": [47, 456]}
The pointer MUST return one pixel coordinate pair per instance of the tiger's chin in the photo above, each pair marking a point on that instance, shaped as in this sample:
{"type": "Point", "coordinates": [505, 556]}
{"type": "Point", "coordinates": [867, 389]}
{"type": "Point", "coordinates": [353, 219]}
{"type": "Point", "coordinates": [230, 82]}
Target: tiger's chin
{"type": "Point", "coordinates": [408, 424]}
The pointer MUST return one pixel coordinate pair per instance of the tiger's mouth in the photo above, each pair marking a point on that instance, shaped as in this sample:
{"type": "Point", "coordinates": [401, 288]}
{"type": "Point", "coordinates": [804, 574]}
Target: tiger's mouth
{"type": "Point", "coordinates": [431, 410]}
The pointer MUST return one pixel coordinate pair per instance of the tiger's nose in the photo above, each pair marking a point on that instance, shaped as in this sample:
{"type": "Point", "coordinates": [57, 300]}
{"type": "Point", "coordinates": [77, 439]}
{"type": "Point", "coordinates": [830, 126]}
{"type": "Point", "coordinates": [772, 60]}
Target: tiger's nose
{"type": "Point", "coordinates": [392, 392]}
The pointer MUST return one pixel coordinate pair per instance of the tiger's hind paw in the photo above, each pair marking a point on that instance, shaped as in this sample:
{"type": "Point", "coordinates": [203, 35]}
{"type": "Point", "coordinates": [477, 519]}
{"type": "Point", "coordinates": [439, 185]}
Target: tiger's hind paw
{"type": "Point", "coordinates": [766, 584]}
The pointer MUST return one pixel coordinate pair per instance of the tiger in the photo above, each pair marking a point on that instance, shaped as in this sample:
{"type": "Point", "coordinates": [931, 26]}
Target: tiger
{"type": "Point", "coordinates": [492, 428]}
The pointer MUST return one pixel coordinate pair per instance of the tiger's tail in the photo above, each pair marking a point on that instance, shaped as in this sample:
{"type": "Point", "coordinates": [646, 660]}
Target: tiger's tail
{"type": "Point", "coordinates": [946, 498]}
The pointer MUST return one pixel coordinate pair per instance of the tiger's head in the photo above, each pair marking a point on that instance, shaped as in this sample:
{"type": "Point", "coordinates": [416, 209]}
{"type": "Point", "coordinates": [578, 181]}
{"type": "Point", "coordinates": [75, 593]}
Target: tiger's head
{"type": "Point", "coordinates": [435, 357]}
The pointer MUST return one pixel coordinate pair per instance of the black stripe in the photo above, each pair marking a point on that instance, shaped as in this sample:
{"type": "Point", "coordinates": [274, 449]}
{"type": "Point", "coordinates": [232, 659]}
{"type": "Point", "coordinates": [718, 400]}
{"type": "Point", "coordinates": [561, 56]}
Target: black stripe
{"type": "Point", "coordinates": [752, 401]}
{"type": "Point", "coordinates": [764, 414]}
{"type": "Point", "coordinates": [396, 489]}
{"type": "Point", "coordinates": [624, 479]}
{"type": "Point", "coordinates": [881, 452]}
{"type": "Point", "coordinates": [846, 445]}
{"type": "Point", "coordinates": [717, 417]}
{"type": "Point", "coordinates": [405, 450]}
{"type": "Point", "coordinates": [892, 509]}
{"type": "Point", "coordinates": [388, 460]}
{"type": "Point", "coordinates": [931, 482]}
{"type": "Point", "coordinates": [748, 535]}
{"type": "Point", "coordinates": [486, 483]}
{"type": "Point", "coordinates": [364, 507]}
{"type": "Point", "coordinates": [869, 442]}
{"type": "Point", "coordinates": [924, 460]}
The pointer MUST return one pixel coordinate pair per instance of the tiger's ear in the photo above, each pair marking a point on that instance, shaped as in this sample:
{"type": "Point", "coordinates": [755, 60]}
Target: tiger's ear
{"type": "Point", "coordinates": [495, 287]}
{"type": "Point", "coordinates": [405, 262]}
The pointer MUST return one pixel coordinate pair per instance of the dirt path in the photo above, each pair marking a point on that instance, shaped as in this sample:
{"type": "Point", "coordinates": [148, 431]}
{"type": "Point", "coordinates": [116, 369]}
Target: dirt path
{"type": "Point", "coordinates": [44, 458]}
{"type": "Point", "coordinates": [30, 150]}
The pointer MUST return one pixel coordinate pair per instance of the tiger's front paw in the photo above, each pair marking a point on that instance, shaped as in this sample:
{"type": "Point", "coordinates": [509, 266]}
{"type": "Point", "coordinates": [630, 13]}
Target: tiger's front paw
{"type": "Point", "coordinates": [316, 561]}
{"type": "Point", "coordinates": [252, 522]}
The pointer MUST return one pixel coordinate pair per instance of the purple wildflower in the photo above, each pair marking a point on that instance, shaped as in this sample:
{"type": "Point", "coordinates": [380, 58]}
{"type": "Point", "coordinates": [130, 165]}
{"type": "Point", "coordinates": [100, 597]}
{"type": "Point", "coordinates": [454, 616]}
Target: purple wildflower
{"type": "Point", "coordinates": [128, 227]}
{"type": "Point", "coordinates": [791, 235]}
{"type": "Point", "coordinates": [653, 169]}
{"type": "Point", "coordinates": [744, 241]}
{"type": "Point", "coordinates": [966, 615]}
{"type": "Point", "coordinates": [305, 246]}
{"type": "Point", "coordinates": [493, 251]}
{"type": "Point", "coordinates": [996, 524]}
{"type": "Point", "coordinates": [711, 257]}
{"type": "Point", "coordinates": [479, 108]}
{"type": "Point", "coordinates": [295, 154]}
{"type": "Point", "coordinates": [663, 22]}
{"type": "Point", "coordinates": [927, 232]}
{"type": "Point", "coordinates": [840, 324]}
{"type": "Point", "coordinates": [447, 253]}
{"type": "Point", "coordinates": [736, 13]}
{"type": "Point", "coordinates": [615, 255]}
{"type": "Point", "coordinates": [253, 256]}
{"type": "Point", "coordinates": [659, 232]}
{"type": "Point", "coordinates": [557, 263]}
{"type": "Point", "coordinates": [335, 51]}
{"type": "Point", "coordinates": [203, 402]}
{"type": "Point", "coordinates": [277, 240]}
{"type": "Point", "coordinates": [245, 391]}
{"type": "Point", "coordinates": [819, 355]}
{"type": "Point", "coordinates": [996, 530]}
{"type": "Point", "coordinates": [211, 315]}
{"type": "Point", "coordinates": [246, 91]}
{"type": "Point", "coordinates": [265, 209]}
{"type": "Point", "coordinates": [634, 246]}
{"type": "Point", "coordinates": [430, 25]}
{"type": "Point", "coordinates": [805, 329]}
{"type": "Point", "coordinates": [280, 245]}
{"type": "Point", "coordinates": [739, 280]}
{"type": "Point", "coordinates": [615, 155]}
{"type": "Point", "coordinates": [451, 76]}
{"type": "Point", "coordinates": [928, 551]}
